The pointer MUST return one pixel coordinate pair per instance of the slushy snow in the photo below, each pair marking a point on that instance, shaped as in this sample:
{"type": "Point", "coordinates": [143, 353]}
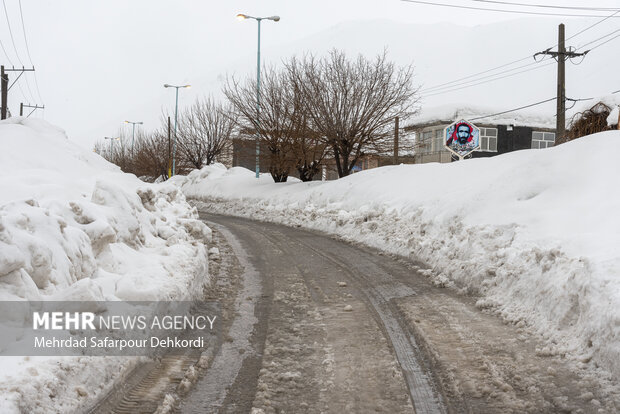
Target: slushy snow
{"type": "Point", "coordinates": [74, 227]}
{"type": "Point", "coordinates": [534, 234]}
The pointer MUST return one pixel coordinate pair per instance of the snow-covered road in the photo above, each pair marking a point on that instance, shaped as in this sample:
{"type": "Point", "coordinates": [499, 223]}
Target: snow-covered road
{"type": "Point", "coordinates": [346, 328]}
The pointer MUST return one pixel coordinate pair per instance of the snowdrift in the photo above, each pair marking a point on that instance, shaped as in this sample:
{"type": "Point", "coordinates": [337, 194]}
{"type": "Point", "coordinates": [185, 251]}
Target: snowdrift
{"type": "Point", "coordinates": [534, 234]}
{"type": "Point", "coordinates": [74, 227]}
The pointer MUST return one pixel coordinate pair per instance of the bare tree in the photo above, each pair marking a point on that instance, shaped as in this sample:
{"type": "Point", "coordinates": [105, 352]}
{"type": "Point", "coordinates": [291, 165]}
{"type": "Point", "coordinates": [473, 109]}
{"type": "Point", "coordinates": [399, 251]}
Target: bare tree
{"type": "Point", "coordinates": [352, 103]}
{"type": "Point", "coordinates": [205, 131]}
{"type": "Point", "coordinates": [281, 122]}
{"type": "Point", "coordinates": [151, 155]}
{"type": "Point", "coordinates": [590, 121]}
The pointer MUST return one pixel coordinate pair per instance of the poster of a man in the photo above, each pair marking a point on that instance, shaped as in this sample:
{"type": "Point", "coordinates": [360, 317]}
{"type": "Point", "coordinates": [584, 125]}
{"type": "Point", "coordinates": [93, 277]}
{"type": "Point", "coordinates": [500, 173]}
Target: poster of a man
{"type": "Point", "coordinates": [462, 138]}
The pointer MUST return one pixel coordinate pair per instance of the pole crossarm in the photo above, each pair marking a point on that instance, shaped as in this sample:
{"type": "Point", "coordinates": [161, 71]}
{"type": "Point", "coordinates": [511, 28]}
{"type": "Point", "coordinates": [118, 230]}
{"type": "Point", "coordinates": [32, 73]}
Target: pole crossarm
{"type": "Point", "coordinates": [567, 54]}
{"type": "Point", "coordinates": [35, 107]}
{"type": "Point", "coordinates": [21, 72]}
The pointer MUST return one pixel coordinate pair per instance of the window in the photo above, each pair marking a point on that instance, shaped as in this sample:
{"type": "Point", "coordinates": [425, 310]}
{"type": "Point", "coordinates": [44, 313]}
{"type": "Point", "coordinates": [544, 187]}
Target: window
{"type": "Point", "coordinates": [426, 141]}
{"type": "Point", "coordinates": [438, 140]}
{"type": "Point", "coordinates": [542, 139]}
{"type": "Point", "coordinates": [488, 139]}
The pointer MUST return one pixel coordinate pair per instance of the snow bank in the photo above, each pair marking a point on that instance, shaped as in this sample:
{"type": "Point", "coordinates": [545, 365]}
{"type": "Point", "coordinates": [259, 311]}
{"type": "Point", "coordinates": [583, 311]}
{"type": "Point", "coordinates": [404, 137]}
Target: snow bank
{"type": "Point", "coordinates": [73, 227]}
{"type": "Point", "coordinates": [534, 233]}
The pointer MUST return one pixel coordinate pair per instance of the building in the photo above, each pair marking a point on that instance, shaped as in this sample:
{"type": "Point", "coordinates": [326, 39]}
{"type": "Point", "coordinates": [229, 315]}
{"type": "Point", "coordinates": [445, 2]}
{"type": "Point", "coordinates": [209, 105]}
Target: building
{"type": "Point", "coordinates": [499, 133]}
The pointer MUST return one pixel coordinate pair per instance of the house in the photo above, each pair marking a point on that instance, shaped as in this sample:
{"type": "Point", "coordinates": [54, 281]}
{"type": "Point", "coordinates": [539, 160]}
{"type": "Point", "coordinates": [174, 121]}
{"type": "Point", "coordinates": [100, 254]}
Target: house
{"type": "Point", "coordinates": [499, 133]}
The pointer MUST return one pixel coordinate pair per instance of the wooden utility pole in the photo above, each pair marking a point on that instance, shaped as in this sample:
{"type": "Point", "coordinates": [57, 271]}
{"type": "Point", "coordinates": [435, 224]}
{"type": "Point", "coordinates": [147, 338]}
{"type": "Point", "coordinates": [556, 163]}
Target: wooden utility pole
{"type": "Point", "coordinates": [561, 55]}
{"type": "Point", "coordinates": [396, 130]}
{"type": "Point", "coordinates": [561, 96]}
{"type": "Point", "coordinates": [4, 85]}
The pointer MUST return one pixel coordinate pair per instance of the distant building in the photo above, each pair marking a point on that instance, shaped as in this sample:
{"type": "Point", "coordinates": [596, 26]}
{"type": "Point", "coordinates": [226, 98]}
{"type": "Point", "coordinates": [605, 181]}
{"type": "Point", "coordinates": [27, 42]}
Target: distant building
{"type": "Point", "coordinates": [244, 155]}
{"type": "Point", "coordinates": [499, 134]}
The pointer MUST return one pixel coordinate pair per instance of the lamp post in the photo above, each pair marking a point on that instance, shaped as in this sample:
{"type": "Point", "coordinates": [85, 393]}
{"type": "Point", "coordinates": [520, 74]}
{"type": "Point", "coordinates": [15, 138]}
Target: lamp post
{"type": "Point", "coordinates": [133, 132]}
{"type": "Point", "coordinates": [176, 107]}
{"type": "Point", "coordinates": [258, 20]}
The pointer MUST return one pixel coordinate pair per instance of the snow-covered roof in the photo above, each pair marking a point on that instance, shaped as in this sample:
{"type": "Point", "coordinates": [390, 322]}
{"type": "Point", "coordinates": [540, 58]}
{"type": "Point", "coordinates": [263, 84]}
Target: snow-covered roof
{"type": "Point", "coordinates": [481, 115]}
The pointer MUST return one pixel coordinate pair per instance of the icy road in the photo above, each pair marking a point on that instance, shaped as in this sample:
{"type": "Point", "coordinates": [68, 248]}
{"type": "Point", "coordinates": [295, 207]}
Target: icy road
{"type": "Point", "coordinates": [317, 325]}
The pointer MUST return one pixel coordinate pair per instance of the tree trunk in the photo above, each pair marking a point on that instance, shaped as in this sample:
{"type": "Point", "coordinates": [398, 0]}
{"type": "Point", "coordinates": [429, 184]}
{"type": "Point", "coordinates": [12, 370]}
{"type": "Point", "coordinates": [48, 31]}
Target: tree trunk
{"type": "Point", "coordinates": [279, 176]}
{"type": "Point", "coordinates": [306, 173]}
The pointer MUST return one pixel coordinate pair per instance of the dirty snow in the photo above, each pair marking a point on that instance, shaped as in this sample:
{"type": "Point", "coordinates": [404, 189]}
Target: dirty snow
{"type": "Point", "coordinates": [534, 234]}
{"type": "Point", "coordinates": [74, 227]}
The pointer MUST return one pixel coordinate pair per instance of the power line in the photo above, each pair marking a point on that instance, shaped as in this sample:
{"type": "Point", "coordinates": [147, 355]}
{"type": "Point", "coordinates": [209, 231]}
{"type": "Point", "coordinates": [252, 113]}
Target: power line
{"type": "Point", "coordinates": [475, 75]}
{"type": "Point", "coordinates": [515, 109]}
{"type": "Point", "coordinates": [600, 38]}
{"type": "Point", "coordinates": [601, 44]}
{"type": "Point", "coordinates": [547, 6]}
{"type": "Point", "coordinates": [437, 88]}
{"type": "Point", "coordinates": [480, 73]}
{"type": "Point", "coordinates": [36, 82]}
{"type": "Point", "coordinates": [501, 10]}
{"type": "Point", "coordinates": [491, 80]}
{"type": "Point", "coordinates": [534, 104]}
{"type": "Point", "coordinates": [8, 23]}
{"type": "Point", "coordinates": [5, 54]}
{"type": "Point", "coordinates": [591, 26]}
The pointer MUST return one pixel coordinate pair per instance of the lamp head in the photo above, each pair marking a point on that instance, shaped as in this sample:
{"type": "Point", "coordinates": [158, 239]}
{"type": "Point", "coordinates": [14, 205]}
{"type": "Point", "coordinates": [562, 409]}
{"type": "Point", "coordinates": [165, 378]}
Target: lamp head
{"type": "Point", "coordinates": [241, 16]}
{"type": "Point", "coordinates": [274, 18]}
{"type": "Point", "coordinates": [166, 85]}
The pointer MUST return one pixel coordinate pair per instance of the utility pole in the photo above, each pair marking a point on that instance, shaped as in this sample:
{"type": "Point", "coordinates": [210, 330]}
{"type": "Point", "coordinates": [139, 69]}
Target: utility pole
{"type": "Point", "coordinates": [4, 84]}
{"type": "Point", "coordinates": [561, 55]}
{"type": "Point", "coordinates": [396, 141]}
{"type": "Point", "coordinates": [34, 108]}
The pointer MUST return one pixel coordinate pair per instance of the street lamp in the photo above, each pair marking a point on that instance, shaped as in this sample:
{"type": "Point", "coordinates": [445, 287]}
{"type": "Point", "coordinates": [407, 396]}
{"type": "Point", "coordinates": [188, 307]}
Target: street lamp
{"type": "Point", "coordinates": [133, 132]}
{"type": "Point", "coordinates": [258, 19]}
{"type": "Point", "coordinates": [176, 107]}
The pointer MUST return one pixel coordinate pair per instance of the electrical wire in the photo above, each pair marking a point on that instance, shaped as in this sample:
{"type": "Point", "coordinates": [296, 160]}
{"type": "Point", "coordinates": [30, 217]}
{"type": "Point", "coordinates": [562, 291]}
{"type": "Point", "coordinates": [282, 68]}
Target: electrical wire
{"type": "Point", "coordinates": [479, 73]}
{"type": "Point", "coordinates": [475, 75]}
{"type": "Point", "coordinates": [596, 40]}
{"type": "Point", "coordinates": [8, 23]}
{"type": "Point", "coordinates": [490, 80]}
{"type": "Point", "coordinates": [547, 6]}
{"type": "Point", "coordinates": [5, 54]}
{"type": "Point", "coordinates": [435, 89]}
{"type": "Point", "coordinates": [591, 26]}
{"type": "Point", "coordinates": [601, 44]}
{"type": "Point", "coordinates": [515, 109]}
{"type": "Point", "coordinates": [36, 82]}
{"type": "Point", "coordinates": [501, 10]}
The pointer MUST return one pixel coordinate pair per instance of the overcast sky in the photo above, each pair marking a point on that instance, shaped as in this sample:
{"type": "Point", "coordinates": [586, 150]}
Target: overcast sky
{"type": "Point", "coordinates": [101, 62]}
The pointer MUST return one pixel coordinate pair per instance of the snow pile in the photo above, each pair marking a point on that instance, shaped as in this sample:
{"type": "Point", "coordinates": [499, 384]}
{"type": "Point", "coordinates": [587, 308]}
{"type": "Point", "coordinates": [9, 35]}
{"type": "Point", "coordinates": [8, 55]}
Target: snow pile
{"type": "Point", "coordinates": [534, 233]}
{"type": "Point", "coordinates": [73, 227]}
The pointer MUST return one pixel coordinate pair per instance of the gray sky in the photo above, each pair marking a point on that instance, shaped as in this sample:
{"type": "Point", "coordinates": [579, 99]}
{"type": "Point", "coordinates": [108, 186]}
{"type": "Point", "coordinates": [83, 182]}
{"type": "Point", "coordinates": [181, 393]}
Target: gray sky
{"type": "Point", "coordinates": [101, 62]}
